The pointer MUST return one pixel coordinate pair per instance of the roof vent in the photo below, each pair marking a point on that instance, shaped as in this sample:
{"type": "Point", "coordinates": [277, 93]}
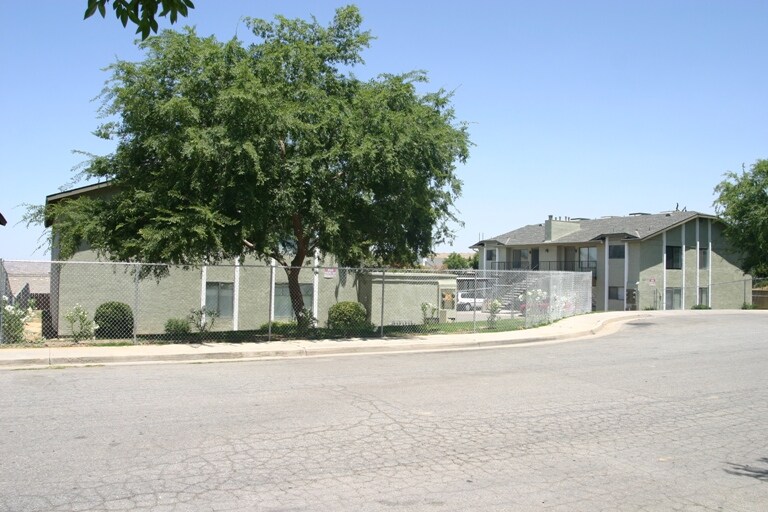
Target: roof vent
{"type": "Point", "coordinates": [636, 214]}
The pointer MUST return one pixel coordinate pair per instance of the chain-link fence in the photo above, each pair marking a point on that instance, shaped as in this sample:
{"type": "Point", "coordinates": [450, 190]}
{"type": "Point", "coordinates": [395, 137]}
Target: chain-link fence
{"type": "Point", "coordinates": [748, 293]}
{"type": "Point", "coordinates": [144, 303]}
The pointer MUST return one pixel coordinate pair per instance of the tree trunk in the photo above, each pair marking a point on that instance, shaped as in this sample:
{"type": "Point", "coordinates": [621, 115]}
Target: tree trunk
{"type": "Point", "coordinates": [294, 289]}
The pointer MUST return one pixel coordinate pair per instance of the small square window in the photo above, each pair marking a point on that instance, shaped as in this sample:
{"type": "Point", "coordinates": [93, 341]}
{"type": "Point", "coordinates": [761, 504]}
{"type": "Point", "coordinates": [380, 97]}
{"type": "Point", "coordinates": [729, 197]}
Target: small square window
{"type": "Point", "coordinates": [616, 252]}
{"type": "Point", "coordinates": [616, 293]}
{"type": "Point", "coordinates": [490, 255]}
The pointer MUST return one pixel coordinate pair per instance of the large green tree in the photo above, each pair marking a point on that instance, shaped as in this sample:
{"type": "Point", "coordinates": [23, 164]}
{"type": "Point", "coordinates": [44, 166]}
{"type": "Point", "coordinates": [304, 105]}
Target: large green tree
{"type": "Point", "coordinates": [742, 203]}
{"type": "Point", "coordinates": [272, 149]}
{"type": "Point", "coordinates": [141, 13]}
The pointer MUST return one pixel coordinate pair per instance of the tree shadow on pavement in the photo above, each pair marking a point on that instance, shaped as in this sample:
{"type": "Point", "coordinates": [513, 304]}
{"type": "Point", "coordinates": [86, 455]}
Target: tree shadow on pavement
{"type": "Point", "coordinates": [760, 473]}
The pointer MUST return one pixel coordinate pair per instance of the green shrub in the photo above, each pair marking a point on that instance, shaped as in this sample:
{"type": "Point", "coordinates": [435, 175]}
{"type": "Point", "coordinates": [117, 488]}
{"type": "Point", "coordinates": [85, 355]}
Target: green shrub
{"type": "Point", "coordinates": [177, 326]}
{"type": "Point", "coordinates": [14, 319]}
{"type": "Point", "coordinates": [114, 320]}
{"type": "Point", "coordinates": [80, 326]}
{"type": "Point", "coordinates": [203, 319]}
{"type": "Point", "coordinates": [700, 306]}
{"type": "Point", "coordinates": [748, 306]}
{"type": "Point", "coordinates": [348, 318]}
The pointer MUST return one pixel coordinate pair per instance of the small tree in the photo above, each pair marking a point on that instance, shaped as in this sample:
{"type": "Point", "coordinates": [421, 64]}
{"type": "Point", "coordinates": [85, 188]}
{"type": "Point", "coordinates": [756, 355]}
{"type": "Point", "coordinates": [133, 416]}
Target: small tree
{"type": "Point", "coordinates": [742, 203]}
{"type": "Point", "coordinates": [474, 261]}
{"type": "Point", "coordinates": [456, 261]}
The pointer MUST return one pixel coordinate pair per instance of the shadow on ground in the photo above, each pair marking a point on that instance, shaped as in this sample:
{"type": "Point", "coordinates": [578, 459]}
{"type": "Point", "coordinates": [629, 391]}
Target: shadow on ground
{"type": "Point", "coordinates": [760, 473]}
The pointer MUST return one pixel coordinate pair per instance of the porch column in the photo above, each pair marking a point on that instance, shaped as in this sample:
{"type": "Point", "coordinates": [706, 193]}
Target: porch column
{"type": "Point", "coordinates": [682, 291]}
{"type": "Point", "coordinates": [709, 262]}
{"type": "Point", "coordinates": [698, 263]}
{"type": "Point", "coordinates": [606, 273]}
{"type": "Point", "coordinates": [626, 276]}
{"type": "Point", "coordinates": [664, 271]}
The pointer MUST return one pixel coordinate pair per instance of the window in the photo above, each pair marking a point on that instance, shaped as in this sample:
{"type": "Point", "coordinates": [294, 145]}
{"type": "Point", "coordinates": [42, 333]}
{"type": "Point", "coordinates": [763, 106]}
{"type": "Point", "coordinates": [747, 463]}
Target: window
{"type": "Point", "coordinates": [674, 298]}
{"type": "Point", "coordinates": [703, 258]}
{"type": "Point", "coordinates": [616, 293]}
{"type": "Point", "coordinates": [588, 259]}
{"type": "Point", "coordinates": [674, 257]}
{"type": "Point", "coordinates": [490, 255]}
{"type": "Point", "coordinates": [520, 258]}
{"type": "Point", "coordinates": [704, 296]}
{"type": "Point", "coordinates": [220, 297]}
{"type": "Point", "coordinates": [616, 252]}
{"type": "Point", "coordinates": [283, 306]}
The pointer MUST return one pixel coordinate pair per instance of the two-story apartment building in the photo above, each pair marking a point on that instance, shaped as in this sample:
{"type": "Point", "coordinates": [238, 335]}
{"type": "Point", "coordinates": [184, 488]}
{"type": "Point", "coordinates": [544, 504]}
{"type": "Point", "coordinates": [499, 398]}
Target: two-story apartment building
{"type": "Point", "coordinates": [669, 260]}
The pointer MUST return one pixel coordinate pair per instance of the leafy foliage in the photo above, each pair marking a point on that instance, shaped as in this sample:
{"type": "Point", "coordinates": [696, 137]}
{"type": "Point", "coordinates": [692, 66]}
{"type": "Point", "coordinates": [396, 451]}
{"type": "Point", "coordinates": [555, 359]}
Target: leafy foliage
{"type": "Point", "coordinates": [349, 318]}
{"type": "Point", "coordinates": [141, 13]}
{"type": "Point", "coordinates": [81, 327]}
{"type": "Point", "coordinates": [115, 320]}
{"type": "Point", "coordinates": [742, 203]}
{"type": "Point", "coordinates": [474, 261]}
{"type": "Point", "coordinates": [456, 261]}
{"type": "Point", "coordinates": [14, 319]}
{"type": "Point", "coordinates": [177, 326]}
{"type": "Point", "coordinates": [225, 150]}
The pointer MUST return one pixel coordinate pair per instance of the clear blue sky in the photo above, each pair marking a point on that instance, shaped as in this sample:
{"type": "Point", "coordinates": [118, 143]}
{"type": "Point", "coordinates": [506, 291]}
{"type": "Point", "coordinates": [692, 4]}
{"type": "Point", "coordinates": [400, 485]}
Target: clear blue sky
{"type": "Point", "coordinates": [577, 108]}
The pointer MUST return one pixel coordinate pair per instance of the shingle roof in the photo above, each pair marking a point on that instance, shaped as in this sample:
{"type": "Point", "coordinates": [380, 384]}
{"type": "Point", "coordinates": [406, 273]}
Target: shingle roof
{"type": "Point", "coordinates": [37, 274]}
{"type": "Point", "coordinates": [629, 227]}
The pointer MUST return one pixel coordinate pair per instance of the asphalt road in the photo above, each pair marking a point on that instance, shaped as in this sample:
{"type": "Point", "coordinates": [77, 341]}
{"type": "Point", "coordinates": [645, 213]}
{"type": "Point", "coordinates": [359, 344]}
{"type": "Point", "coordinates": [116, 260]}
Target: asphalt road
{"type": "Point", "coordinates": [667, 414]}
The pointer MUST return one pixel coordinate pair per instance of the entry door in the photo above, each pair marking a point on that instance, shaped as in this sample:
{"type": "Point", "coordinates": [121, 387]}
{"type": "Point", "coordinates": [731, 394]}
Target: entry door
{"type": "Point", "coordinates": [534, 259]}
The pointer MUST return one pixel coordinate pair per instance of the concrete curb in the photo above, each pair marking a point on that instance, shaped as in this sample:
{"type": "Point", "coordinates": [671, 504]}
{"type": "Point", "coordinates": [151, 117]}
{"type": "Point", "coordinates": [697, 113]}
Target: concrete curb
{"type": "Point", "coordinates": [149, 354]}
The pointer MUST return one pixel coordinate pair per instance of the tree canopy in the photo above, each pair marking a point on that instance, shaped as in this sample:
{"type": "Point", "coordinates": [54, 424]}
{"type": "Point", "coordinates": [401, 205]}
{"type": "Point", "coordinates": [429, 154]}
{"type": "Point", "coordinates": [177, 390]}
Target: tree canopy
{"type": "Point", "coordinates": [456, 261]}
{"type": "Point", "coordinates": [141, 13]}
{"type": "Point", "coordinates": [269, 149]}
{"type": "Point", "coordinates": [742, 203]}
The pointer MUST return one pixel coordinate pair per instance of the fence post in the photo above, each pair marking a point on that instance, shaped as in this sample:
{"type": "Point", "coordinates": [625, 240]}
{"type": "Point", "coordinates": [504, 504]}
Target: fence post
{"type": "Point", "coordinates": [745, 292]}
{"type": "Point", "coordinates": [271, 298]}
{"type": "Point", "coordinates": [383, 278]}
{"type": "Point", "coordinates": [137, 271]}
{"type": "Point", "coordinates": [2, 294]}
{"type": "Point", "coordinates": [474, 306]}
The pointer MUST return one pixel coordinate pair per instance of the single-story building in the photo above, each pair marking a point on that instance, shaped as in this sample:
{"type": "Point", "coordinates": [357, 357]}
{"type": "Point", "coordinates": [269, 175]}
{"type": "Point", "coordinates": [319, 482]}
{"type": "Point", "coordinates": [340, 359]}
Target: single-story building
{"type": "Point", "coordinates": [246, 295]}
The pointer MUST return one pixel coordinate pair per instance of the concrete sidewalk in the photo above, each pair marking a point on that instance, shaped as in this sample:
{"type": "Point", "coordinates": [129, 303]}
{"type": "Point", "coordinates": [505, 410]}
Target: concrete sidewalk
{"type": "Point", "coordinates": [574, 327]}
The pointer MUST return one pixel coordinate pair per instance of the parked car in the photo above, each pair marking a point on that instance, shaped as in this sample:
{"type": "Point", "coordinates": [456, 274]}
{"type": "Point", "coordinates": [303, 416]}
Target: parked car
{"type": "Point", "coordinates": [468, 300]}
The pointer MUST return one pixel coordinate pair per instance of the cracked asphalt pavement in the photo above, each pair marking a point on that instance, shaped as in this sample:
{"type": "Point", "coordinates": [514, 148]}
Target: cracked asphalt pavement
{"type": "Point", "coordinates": [668, 413]}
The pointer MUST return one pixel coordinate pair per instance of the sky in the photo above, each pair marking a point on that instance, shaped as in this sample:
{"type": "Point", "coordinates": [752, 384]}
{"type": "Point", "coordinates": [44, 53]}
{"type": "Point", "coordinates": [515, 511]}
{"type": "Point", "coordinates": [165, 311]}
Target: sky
{"type": "Point", "coordinates": [575, 108]}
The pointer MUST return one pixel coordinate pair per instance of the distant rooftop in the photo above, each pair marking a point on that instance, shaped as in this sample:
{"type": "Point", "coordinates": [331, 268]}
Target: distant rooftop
{"type": "Point", "coordinates": [637, 225]}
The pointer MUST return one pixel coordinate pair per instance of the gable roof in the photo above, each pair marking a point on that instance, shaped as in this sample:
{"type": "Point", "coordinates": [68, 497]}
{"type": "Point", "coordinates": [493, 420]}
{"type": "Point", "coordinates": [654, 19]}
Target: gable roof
{"type": "Point", "coordinates": [36, 274]}
{"type": "Point", "coordinates": [631, 227]}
